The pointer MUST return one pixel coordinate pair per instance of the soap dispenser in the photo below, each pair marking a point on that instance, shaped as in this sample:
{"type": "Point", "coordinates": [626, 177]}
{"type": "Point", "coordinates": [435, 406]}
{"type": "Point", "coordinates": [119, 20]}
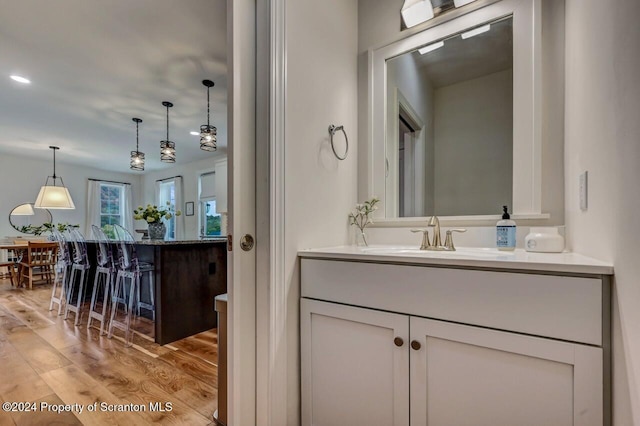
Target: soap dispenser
{"type": "Point", "coordinates": [506, 232]}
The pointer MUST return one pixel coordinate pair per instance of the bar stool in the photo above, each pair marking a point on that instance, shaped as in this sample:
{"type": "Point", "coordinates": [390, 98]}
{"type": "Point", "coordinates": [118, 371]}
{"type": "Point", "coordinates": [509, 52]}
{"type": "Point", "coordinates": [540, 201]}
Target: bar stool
{"type": "Point", "coordinates": [60, 281]}
{"type": "Point", "coordinates": [103, 281]}
{"type": "Point", "coordinates": [79, 266]}
{"type": "Point", "coordinates": [129, 272]}
{"type": "Point", "coordinates": [144, 268]}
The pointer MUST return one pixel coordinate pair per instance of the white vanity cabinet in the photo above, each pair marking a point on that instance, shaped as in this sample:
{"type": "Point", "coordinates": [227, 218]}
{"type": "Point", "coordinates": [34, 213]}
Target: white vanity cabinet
{"type": "Point", "coordinates": [392, 344]}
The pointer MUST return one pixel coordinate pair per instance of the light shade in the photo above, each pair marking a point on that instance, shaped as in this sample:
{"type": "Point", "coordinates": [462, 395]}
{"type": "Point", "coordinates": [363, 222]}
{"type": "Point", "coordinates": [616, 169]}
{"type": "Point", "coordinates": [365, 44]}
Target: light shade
{"type": "Point", "coordinates": [137, 161]}
{"type": "Point", "coordinates": [431, 47]}
{"type": "Point", "coordinates": [54, 197]}
{"type": "Point", "coordinates": [208, 138]}
{"type": "Point", "coordinates": [167, 152]}
{"type": "Point", "coordinates": [460, 3]}
{"type": "Point", "coordinates": [475, 31]}
{"type": "Point", "coordinates": [415, 12]}
{"type": "Point", "coordinates": [23, 210]}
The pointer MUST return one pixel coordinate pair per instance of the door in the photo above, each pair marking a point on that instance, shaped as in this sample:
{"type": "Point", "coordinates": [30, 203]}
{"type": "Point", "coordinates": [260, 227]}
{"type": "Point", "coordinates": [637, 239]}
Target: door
{"type": "Point", "coordinates": [355, 366]}
{"type": "Point", "coordinates": [463, 375]}
{"type": "Point", "coordinates": [241, 167]}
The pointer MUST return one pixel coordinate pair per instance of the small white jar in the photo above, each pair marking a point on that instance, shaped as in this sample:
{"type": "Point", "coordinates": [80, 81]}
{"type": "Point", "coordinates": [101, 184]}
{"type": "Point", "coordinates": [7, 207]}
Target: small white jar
{"type": "Point", "coordinates": [544, 240]}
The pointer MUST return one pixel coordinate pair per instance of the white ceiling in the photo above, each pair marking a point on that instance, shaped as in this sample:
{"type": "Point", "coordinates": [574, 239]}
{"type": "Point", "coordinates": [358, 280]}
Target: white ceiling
{"type": "Point", "coordinates": [95, 64]}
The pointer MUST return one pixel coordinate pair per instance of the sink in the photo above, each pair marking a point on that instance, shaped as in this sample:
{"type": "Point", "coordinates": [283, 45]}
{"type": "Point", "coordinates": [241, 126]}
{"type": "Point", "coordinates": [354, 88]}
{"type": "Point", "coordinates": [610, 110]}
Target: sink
{"type": "Point", "coordinates": [466, 252]}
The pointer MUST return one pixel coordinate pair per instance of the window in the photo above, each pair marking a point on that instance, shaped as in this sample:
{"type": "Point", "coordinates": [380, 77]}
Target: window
{"type": "Point", "coordinates": [168, 194]}
{"type": "Point", "coordinates": [111, 207]}
{"type": "Point", "coordinates": [210, 219]}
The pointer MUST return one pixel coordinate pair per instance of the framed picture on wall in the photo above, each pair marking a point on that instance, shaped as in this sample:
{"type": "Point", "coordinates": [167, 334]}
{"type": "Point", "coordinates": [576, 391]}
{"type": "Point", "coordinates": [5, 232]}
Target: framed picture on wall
{"type": "Point", "coordinates": [188, 208]}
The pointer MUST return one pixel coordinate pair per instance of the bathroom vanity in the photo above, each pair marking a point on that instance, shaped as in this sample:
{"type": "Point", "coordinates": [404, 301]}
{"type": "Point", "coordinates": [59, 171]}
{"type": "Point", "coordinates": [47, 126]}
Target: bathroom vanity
{"type": "Point", "coordinates": [396, 336]}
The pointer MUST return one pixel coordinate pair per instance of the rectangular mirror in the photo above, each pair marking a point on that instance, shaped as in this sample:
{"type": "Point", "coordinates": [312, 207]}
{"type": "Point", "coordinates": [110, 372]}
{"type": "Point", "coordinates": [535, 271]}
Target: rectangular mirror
{"type": "Point", "coordinates": [455, 116]}
{"type": "Point", "coordinates": [450, 125]}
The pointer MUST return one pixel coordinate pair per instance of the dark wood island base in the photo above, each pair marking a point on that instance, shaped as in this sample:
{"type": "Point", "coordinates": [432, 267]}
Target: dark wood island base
{"type": "Point", "coordinates": [188, 277]}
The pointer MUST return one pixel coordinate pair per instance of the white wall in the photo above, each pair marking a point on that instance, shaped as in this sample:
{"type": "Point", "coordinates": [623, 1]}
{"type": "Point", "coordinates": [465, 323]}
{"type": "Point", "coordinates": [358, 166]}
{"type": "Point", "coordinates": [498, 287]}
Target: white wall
{"type": "Point", "coordinates": [190, 173]}
{"type": "Point", "coordinates": [473, 128]}
{"type": "Point", "coordinates": [22, 178]}
{"type": "Point", "coordinates": [602, 135]}
{"type": "Point", "coordinates": [321, 43]}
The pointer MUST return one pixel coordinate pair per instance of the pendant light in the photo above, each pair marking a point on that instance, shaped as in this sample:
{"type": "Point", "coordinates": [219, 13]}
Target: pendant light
{"type": "Point", "coordinates": [137, 157]}
{"type": "Point", "coordinates": [208, 133]}
{"type": "Point", "coordinates": [53, 196]}
{"type": "Point", "coordinates": [167, 148]}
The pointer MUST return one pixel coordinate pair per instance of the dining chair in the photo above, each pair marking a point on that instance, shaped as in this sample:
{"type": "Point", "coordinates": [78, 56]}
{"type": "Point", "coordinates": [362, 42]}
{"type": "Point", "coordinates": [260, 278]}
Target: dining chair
{"type": "Point", "coordinates": [39, 262]}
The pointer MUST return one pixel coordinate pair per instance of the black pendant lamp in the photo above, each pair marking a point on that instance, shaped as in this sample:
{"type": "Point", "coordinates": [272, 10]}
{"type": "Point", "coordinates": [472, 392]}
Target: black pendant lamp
{"type": "Point", "coordinates": [167, 148]}
{"type": "Point", "coordinates": [208, 133]}
{"type": "Point", "coordinates": [137, 157]}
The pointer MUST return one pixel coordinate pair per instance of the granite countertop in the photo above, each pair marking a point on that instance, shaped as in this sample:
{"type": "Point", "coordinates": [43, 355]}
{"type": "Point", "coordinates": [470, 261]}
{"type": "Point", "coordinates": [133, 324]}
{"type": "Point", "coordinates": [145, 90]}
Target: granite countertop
{"type": "Point", "coordinates": [466, 257]}
{"type": "Point", "coordinates": [216, 240]}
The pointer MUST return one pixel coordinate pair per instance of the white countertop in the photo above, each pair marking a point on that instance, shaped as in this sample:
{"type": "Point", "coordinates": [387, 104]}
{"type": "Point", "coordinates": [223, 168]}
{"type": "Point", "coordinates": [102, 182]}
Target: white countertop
{"type": "Point", "coordinates": [467, 257]}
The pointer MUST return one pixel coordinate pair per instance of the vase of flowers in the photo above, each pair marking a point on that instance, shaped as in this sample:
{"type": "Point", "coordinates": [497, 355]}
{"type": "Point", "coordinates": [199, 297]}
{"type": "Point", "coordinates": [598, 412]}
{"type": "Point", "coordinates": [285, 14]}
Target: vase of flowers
{"type": "Point", "coordinates": [154, 216]}
{"type": "Point", "coordinates": [361, 218]}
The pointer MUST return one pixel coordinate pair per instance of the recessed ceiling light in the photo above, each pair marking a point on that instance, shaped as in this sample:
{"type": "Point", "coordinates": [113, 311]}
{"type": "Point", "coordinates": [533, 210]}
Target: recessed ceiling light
{"type": "Point", "coordinates": [431, 47]}
{"type": "Point", "coordinates": [194, 133]}
{"type": "Point", "coordinates": [20, 79]}
{"type": "Point", "coordinates": [476, 31]}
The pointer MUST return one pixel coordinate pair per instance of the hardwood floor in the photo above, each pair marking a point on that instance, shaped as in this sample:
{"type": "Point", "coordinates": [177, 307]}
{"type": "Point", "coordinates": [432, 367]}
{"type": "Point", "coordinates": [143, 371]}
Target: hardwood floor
{"type": "Point", "coordinates": [47, 361]}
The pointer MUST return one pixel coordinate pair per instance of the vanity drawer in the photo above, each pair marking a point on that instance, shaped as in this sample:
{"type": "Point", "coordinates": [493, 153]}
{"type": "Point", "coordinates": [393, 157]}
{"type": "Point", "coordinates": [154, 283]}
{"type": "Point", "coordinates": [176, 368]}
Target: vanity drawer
{"type": "Point", "coordinates": [560, 307]}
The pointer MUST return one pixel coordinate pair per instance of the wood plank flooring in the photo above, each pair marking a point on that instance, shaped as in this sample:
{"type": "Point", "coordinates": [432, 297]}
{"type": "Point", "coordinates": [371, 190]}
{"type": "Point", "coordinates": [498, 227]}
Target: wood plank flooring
{"type": "Point", "coordinates": [47, 361]}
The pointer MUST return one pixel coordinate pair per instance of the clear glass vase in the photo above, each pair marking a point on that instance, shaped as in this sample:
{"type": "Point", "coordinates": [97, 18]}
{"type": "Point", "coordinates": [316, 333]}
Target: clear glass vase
{"type": "Point", "coordinates": [360, 238]}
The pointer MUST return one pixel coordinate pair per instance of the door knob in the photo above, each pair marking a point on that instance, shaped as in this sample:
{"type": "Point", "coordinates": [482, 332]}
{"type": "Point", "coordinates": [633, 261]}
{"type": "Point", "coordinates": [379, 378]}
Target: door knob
{"type": "Point", "coordinates": [415, 345]}
{"type": "Point", "coordinates": [246, 242]}
{"type": "Point", "coordinates": [398, 341]}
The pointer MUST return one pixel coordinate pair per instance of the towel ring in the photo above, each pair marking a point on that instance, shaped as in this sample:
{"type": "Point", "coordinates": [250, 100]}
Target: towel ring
{"type": "Point", "coordinates": [332, 131]}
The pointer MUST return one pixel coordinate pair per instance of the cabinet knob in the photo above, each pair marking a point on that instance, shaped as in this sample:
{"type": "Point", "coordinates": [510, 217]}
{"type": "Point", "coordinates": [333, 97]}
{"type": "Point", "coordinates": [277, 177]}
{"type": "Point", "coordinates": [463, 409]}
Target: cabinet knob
{"type": "Point", "coordinates": [415, 345]}
{"type": "Point", "coordinates": [398, 341]}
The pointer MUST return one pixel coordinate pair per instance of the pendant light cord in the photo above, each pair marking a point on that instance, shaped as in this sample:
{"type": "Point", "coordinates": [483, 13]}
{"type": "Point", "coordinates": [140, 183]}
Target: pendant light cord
{"type": "Point", "coordinates": [208, 107]}
{"type": "Point", "coordinates": [54, 166]}
{"type": "Point", "coordinates": [167, 122]}
{"type": "Point", "coordinates": [137, 145]}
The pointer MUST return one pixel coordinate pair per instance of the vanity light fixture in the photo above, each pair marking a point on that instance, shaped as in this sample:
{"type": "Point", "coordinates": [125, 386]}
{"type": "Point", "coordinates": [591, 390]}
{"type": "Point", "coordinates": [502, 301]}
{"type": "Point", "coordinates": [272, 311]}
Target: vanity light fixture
{"type": "Point", "coordinates": [431, 47]}
{"type": "Point", "coordinates": [20, 79]}
{"type": "Point", "coordinates": [460, 3]}
{"type": "Point", "coordinates": [137, 157]}
{"type": "Point", "coordinates": [415, 12]}
{"type": "Point", "coordinates": [52, 196]}
{"type": "Point", "coordinates": [475, 31]}
{"type": "Point", "coordinates": [167, 148]}
{"type": "Point", "coordinates": [208, 133]}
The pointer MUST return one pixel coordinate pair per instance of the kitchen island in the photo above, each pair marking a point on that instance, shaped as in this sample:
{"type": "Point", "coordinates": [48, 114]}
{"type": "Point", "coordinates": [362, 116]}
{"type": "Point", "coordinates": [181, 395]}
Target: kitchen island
{"type": "Point", "coordinates": [189, 274]}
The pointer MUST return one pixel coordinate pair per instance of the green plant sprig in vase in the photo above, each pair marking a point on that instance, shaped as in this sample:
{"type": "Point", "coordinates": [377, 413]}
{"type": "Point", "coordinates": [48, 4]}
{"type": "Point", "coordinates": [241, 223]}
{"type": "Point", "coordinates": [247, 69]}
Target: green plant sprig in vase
{"type": "Point", "coordinates": [361, 217]}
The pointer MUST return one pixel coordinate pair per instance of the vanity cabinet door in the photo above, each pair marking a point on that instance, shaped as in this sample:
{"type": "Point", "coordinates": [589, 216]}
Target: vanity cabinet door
{"type": "Point", "coordinates": [355, 366]}
{"type": "Point", "coordinates": [463, 375]}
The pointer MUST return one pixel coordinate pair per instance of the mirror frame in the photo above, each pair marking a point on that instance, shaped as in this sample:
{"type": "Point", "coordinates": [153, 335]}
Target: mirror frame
{"type": "Point", "coordinates": [527, 130]}
{"type": "Point", "coordinates": [27, 233]}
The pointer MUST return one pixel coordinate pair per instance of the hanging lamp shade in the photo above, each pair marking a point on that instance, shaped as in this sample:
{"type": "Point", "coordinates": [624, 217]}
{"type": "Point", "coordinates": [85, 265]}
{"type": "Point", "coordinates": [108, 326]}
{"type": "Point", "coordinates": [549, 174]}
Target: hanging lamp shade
{"type": "Point", "coordinates": [208, 133]}
{"type": "Point", "coordinates": [53, 196]}
{"type": "Point", "coordinates": [137, 157]}
{"type": "Point", "coordinates": [167, 148]}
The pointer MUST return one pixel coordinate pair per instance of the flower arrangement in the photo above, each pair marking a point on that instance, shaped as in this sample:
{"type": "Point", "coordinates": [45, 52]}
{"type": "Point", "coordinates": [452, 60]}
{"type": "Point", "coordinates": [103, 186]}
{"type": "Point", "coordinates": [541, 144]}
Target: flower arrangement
{"type": "Point", "coordinates": [361, 216]}
{"type": "Point", "coordinates": [154, 214]}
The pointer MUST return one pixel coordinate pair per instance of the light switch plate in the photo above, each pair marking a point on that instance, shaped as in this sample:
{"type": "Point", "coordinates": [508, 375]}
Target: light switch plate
{"type": "Point", "coordinates": [584, 190]}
